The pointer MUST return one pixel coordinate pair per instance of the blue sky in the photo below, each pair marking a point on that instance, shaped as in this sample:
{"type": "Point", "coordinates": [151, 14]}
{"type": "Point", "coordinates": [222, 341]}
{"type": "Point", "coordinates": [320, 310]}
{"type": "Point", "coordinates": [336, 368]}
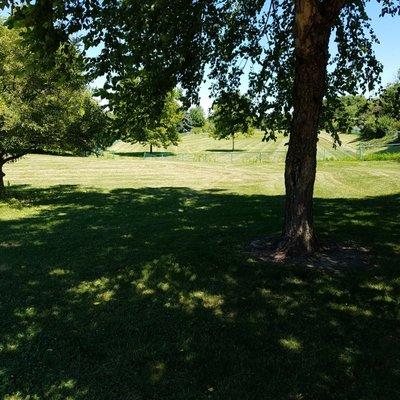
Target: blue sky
{"type": "Point", "coordinates": [388, 51]}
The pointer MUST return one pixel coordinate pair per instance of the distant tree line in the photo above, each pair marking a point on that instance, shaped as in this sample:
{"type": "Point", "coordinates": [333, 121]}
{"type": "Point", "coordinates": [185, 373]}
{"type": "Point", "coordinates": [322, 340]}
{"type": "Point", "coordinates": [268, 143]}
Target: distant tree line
{"type": "Point", "coordinates": [374, 117]}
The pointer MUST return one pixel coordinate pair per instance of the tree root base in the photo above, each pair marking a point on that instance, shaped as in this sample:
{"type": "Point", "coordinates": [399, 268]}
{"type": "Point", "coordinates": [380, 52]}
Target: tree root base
{"type": "Point", "coordinates": [332, 257]}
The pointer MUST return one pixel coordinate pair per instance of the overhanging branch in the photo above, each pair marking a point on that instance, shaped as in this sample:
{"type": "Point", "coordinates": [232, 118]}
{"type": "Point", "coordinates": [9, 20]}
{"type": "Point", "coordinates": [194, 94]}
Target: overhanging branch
{"type": "Point", "coordinates": [14, 157]}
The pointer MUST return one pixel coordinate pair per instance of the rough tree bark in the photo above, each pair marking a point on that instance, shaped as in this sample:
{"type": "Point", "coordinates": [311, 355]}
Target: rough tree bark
{"type": "Point", "coordinates": [313, 25]}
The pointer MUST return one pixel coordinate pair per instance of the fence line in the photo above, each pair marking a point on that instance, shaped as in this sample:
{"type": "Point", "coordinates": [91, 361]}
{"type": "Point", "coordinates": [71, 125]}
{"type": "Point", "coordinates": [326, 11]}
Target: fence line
{"type": "Point", "coordinates": [246, 157]}
{"type": "Point", "coordinates": [257, 157]}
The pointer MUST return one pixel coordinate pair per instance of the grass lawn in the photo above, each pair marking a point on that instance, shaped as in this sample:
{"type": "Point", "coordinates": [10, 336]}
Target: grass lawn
{"type": "Point", "coordinates": [126, 279]}
{"type": "Point", "coordinates": [245, 148]}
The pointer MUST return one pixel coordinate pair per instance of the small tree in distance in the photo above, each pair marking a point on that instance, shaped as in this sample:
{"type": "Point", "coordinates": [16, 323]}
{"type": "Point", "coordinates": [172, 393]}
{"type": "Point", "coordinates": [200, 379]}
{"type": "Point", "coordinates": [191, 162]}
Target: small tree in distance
{"type": "Point", "coordinates": [231, 115]}
{"type": "Point", "coordinates": [196, 117]}
{"type": "Point", "coordinates": [167, 130]}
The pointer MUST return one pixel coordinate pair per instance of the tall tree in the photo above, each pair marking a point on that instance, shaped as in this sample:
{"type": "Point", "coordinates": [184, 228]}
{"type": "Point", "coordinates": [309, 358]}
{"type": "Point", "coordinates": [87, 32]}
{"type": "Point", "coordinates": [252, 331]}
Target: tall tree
{"type": "Point", "coordinates": [40, 110]}
{"type": "Point", "coordinates": [285, 43]}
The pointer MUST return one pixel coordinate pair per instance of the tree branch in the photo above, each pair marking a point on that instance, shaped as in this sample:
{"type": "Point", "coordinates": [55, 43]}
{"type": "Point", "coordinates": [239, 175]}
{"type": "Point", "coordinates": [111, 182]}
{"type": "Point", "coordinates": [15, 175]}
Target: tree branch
{"type": "Point", "coordinates": [14, 157]}
{"type": "Point", "coordinates": [330, 9]}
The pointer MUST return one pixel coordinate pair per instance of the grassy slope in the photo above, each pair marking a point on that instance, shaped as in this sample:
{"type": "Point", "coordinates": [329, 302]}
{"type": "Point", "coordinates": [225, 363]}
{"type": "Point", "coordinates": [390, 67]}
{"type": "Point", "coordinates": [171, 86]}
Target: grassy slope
{"type": "Point", "coordinates": [275, 151]}
{"type": "Point", "coordinates": [126, 279]}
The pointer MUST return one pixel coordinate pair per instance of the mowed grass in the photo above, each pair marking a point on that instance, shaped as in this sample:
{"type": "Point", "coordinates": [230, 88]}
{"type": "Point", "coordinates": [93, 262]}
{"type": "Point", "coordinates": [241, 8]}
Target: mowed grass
{"type": "Point", "coordinates": [123, 278]}
{"type": "Point", "coordinates": [334, 178]}
{"type": "Point", "coordinates": [247, 148]}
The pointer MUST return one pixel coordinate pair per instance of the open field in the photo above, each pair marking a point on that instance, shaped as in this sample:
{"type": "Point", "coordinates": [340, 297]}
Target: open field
{"type": "Point", "coordinates": [252, 150]}
{"type": "Point", "coordinates": [246, 148]}
{"type": "Point", "coordinates": [124, 278]}
{"type": "Point", "coordinates": [334, 179]}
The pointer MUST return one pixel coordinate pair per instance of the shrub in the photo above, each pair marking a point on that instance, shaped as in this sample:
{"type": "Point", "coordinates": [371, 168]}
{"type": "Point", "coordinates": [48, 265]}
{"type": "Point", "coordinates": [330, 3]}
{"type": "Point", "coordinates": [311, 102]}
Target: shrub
{"type": "Point", "coordinates": [379, 127]}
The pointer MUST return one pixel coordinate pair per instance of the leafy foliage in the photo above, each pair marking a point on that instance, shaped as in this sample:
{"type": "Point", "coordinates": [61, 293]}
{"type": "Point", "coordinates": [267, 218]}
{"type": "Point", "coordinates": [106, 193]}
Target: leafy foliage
{"type": "Point", "coordinates": [389, 100]}
{"type": "Point", "coordinates": [196, 117]}
{"type": "Point", "coordinates": [382, 117]}
{"type": "Point", "coordinates": [149, 47]}
{"type": "Point", "coordinates": [347, 115]}
{"type": "Point", "coordinates": [378, 126]}
{"type": "Point", "coordinates": [231, 116]}
{"type": "Point", "coordinates": [35, 105]}
{"type": "Point", "coordinates": [375, 117]}
{"type": "Point", "coordinates": [92, 131]}
{"type": "Point", "coordinates": [165, 133]}
{"type": "Point", "coordinates": [41, 109]}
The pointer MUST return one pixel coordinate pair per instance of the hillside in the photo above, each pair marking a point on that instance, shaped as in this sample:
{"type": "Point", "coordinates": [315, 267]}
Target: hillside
{"type": "Point", "coordinates": [246, 148]}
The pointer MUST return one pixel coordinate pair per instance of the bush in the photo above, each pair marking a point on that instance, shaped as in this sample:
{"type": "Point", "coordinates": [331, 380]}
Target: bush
{"type": "Point", "coordinates": [379, 127]}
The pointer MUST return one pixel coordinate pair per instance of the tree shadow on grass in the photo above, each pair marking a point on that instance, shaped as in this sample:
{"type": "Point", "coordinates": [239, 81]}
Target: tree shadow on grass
{"type": "Point", "coordinates": [225, 150]}
{"type": "Point", "coordinates": [141, 154]}
{"type": "Point", "coordinates": [147, 294]}
{"type": "Point", "coordinates": [390, 148]}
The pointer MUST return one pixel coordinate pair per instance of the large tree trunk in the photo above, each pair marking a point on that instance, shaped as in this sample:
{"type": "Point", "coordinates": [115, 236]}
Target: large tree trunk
{"type": "Point", "coordinates": [311, 58]}
{"type": "Point", "coordinates": [151, 149]}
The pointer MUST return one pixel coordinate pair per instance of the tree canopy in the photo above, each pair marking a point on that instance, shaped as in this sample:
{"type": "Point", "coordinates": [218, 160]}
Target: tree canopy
{"type": "Point", "coordinates": [34, 102]}
{"type": "Point", "coordinates": [389, 100]}
{"type": "Point", "coordinates": [163, 45]}
{"type": "Point", "coordinates": [196, 117]}
{"type": "Point", "coordinates": [164, 133]}
{"type": "Point", "coordinates": [43, 108]}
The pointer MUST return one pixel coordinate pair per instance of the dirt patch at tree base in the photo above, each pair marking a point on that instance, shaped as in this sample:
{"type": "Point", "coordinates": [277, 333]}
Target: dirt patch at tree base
{"type": "Point", "coordinates": [331, 257]}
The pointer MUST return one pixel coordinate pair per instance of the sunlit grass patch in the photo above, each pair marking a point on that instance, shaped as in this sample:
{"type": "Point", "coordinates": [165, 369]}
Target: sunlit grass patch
{"type": "Point", "coordinates": [290, 343]}
{"type": "Point", "coordinates": [101, 290]}
{"type": "Point", "coordinates": [59, 272]}
{"type": "Point", "coordinates": [351, 309]}
{"type": "Point", "coordinates": [195, 299]}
